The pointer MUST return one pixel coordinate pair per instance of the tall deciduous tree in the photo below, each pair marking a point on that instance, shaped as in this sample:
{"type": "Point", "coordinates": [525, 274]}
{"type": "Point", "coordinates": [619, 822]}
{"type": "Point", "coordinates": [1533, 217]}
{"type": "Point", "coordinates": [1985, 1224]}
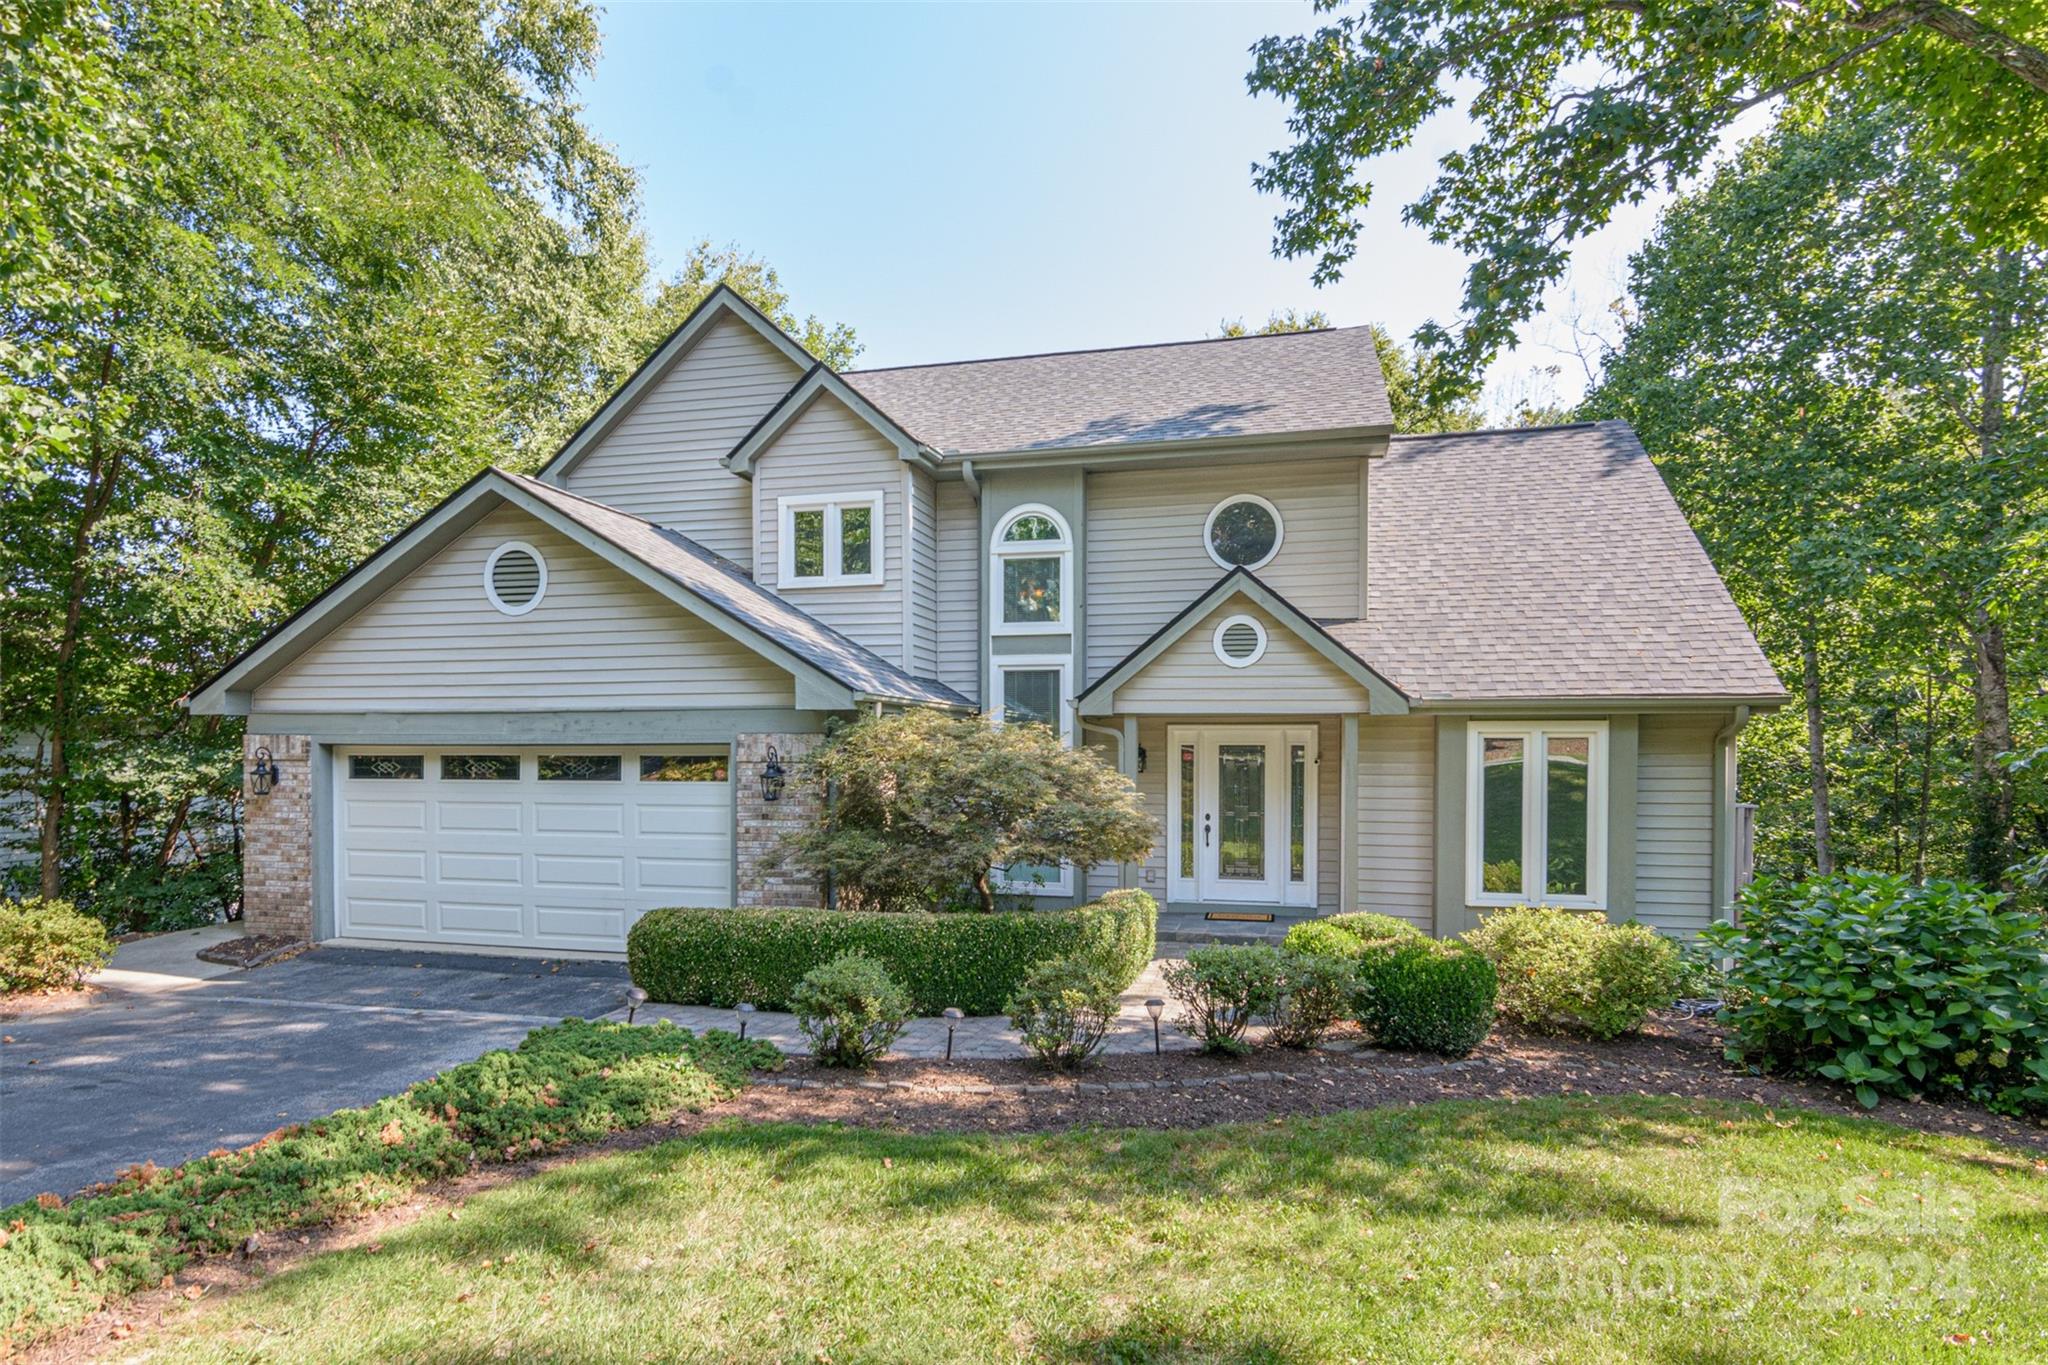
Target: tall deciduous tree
{"type": "Point", "coordinates": [1420, 402]}
{"type": "Point", "coordinates": [1839, 376]}
{"type": "Point", "coordinates": [1582, 107]}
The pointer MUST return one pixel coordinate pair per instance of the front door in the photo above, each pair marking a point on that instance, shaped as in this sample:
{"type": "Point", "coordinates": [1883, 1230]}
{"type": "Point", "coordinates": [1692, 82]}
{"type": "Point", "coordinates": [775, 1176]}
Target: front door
{"type": "Point", "coordinates": [1243, 811]}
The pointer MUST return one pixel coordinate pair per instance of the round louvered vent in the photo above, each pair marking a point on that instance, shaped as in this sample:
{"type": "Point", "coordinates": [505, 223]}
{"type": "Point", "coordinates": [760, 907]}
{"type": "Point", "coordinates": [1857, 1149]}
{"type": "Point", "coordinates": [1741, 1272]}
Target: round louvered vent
{"type": "Point", "coordinates": [515, 578]}
{"type": "Point", "coordinates": [1240, 641]}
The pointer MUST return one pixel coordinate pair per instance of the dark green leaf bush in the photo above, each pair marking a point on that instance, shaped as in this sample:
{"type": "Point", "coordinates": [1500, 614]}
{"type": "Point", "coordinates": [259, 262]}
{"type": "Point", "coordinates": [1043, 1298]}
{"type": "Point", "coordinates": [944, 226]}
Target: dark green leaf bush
{"type": "Point", "coordinates": [1427, 996]}
{"type": "Point", "coordinates": [1894, 989]}
{"type": "Point", "coordinates": [566, 1083]}
{"type": "Point", "coordinates": [1064, 1009]}
{"type": "Point", "coordinates": [1570, 971]}
{"type": "Point", "coordinates": [1222, 988]}
{"type": "Point", "coordinates": [850, 1011]}
{"type": "Point", "coordinates": [1312, 993]}
{"type": "Point", "coordinates": [970, 962]}
{"type": "Point", "coordinates": [48, 945]}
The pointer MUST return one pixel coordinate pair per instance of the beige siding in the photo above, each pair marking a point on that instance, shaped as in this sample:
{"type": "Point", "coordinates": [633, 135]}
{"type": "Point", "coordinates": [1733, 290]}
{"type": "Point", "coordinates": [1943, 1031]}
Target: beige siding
{"type": "Point", "coordinates": [1290, 679]}
{"type": "Point", "coordinates": [959, 590]}
{"type": "Point", "coordinates": [1397, 817]}
{"type": "Point", "coordinates": [1146, 558]}
{"type": "Point", "coordinates": [829, 450]}
{"type": "Point", "coordinates": [661, 461]}
{"type": "Point", "coordinates": [924, 574]}
{"type": "Point", "coordinates": [1675, 823]}
{"type": "Point", "coordinates": [598, 639]}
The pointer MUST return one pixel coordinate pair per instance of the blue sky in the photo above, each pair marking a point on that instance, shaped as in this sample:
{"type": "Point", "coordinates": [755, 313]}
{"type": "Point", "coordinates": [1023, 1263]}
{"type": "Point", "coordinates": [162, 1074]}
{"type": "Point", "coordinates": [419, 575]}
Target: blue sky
{"type": "Point", "coordinates": [969, 180]}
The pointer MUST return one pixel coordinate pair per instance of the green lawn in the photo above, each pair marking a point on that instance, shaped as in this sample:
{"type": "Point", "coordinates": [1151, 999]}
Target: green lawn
{"type": "Point", "coordinates": [1567, 1230]}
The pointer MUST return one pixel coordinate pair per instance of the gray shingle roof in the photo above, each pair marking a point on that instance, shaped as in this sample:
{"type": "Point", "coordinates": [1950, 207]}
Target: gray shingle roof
{"type": "Point", "coordinates": [1550, 563]}
{"type": "Point", "coordinates": [1241, 387]}
{"type": "Point", "coordinates": [727, 587]}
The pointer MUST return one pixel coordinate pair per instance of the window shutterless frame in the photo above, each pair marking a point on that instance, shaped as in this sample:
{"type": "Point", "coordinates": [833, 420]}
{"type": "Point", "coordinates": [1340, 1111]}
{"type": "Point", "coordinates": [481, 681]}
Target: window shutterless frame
{"type": "Point", "coordinates": [1002, 664]}
{"type": "Point", "coordinates": [1535, 812]}
{"type": "Point", "coordinates": [833, 508]}
{"type": "Point", "coordinates": [1003, 550]}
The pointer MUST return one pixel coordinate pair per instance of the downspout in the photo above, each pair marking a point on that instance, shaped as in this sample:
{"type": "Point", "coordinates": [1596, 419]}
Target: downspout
{"type": "Point", "coordinates": [1724, 814]}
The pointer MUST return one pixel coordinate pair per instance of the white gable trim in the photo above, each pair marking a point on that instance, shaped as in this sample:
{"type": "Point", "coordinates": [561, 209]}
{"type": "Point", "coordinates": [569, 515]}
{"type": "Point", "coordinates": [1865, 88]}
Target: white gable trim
{"type": "Point", "coordinates": [230, 691]}
{"type": "Point", "coordinates": [797, 401]}
{"type": "Point", "coordinates": [1383, 696]}
{"type": "Point", "coordinates": [720, 304]}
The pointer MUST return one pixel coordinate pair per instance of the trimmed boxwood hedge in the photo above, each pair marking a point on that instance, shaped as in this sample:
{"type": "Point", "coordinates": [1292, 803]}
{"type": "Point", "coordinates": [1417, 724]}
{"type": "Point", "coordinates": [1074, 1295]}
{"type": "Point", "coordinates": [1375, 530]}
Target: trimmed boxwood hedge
{"type": "Point", "coordinates": [972, 962]}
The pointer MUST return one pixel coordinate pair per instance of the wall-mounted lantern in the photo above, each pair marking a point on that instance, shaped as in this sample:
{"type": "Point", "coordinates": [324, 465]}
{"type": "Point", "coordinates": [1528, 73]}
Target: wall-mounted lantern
{"type": "Point", "coordinates": [772, 776]}
{"type": "Point", "coordinates": [265, 774]}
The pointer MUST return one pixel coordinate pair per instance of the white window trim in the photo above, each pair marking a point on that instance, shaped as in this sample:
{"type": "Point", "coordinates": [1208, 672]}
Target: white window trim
{"type": "Point", "coordinates": [1030, 549]}
{"type": "Point", "coordinates": [1279, 531]}
{"type": "Point", "coordinates": [1536, 812]}
{"type": "Point", "coordinates": [831, 505]}
{"type": "Point", "coordinates": [998, 665]}
{"type": "Point", "coordinates": [1216, 641]}
{"type": "Point", "coordinates": [491, 588]}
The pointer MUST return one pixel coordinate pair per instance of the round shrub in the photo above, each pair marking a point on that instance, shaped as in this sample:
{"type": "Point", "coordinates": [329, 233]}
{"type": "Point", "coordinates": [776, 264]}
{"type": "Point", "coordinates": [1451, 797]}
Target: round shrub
{"type": "Point", "coordinates": [1064, 1009]}
{"type": "Point", "coordinates": [850, 1011]}
{"type": "Point", "coordinates": [1570, 971]}
{"type": "Point", "coordinates": [1427, 997]}
{"type": "Point", "coordinates": [47, 945]}
{"type": "Point", "coordinates": [1311, 994]}
{"type": "Point", "coordinates": [1350, 935]}
{"type": "Point", "coordinates": [1221, 988]}
{"type": "Point", "coordinates": [1864, 978]}
{"type": "Point", "coordinates": [972, 962]}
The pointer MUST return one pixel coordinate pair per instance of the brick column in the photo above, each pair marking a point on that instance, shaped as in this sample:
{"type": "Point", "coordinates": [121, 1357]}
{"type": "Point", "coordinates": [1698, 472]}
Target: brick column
{"type": "Point", "coordinates": [762, 824]}
{"type": "Point", "coordinates": [277, 840]}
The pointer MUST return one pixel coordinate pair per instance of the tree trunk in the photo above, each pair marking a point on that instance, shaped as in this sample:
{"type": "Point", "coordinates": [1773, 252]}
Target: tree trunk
{"type": "Point", "coordinates": [1926, 787]}
{"type": "Point", "coordinates": [984, 892]}
{"type": "Point", "coordinates": [1816, 754]}
{"type": "Point", "coordinates": [1992, 839]}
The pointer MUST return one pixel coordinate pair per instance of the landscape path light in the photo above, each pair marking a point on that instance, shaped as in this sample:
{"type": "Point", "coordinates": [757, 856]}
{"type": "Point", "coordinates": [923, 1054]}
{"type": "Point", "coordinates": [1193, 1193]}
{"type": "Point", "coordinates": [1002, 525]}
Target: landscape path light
{"type": "Point", "coordinates": [745, 1011]}
{"type": "Point", "coordinates": [1155, 1007]}
{"type": "Point", "coordinates": [953, 1018]}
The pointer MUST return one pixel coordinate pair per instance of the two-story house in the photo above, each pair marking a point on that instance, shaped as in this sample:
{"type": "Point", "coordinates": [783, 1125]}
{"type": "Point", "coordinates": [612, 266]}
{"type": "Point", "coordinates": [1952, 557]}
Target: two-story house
{"type": "Point", "coordinates": [1346, 668]}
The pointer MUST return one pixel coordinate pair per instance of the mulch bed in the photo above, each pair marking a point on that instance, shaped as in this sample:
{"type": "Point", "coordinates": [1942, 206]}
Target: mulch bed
{"type": "Point", "coordinates": [254, 950]}
{"type": "Point", "coordinates": [1673, 1056]}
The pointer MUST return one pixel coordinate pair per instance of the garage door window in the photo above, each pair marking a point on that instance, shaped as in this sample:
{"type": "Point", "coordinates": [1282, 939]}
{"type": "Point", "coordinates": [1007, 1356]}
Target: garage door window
{"type": "Point", "coordinates": [705, 765]}
{"type": "Point", "coordinates": [387, 767]}
{"type": "Point", "coordinates": [579, 767]}
{"type": "Point", "coordinates": [479, 767]}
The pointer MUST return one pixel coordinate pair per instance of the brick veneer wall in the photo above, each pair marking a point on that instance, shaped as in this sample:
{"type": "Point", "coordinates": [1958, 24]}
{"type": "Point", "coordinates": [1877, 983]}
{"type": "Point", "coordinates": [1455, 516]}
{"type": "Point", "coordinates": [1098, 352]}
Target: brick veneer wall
{"type": "Point", "coordinates": [762, 824]}
{"type": "Point", "coordinates": [277, 840]}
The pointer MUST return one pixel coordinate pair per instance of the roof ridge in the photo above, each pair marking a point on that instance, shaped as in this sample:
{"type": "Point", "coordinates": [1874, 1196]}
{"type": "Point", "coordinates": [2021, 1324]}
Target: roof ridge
{"type": "Point", "coordinates": [1506, 431]}
{"type": "Point", "coordinates": [1102, 350]}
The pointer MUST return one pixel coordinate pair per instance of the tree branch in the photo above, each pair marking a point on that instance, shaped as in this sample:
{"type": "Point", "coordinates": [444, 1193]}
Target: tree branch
{"type": "Point", "coordinates": [2029, 63]}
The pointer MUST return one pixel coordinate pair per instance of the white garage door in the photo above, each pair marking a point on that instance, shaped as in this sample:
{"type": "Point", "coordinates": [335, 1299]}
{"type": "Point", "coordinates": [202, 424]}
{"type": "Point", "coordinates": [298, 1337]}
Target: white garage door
{"type": "Point", "coordinates": [527, 848]}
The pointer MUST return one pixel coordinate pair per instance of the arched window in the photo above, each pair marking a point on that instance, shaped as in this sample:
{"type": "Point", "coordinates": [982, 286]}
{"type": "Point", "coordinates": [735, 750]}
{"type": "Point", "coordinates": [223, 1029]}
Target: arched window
{"type": "Point", "coordinates": [1030, 580]}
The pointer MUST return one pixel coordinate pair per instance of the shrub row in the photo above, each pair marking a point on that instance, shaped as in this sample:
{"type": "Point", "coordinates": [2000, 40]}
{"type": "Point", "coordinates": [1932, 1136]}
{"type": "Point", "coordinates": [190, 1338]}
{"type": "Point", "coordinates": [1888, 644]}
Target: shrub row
{"type": "Point", "coordinates": [567, 1083]}
{"type": "Point", "coordinates": [973, 962]}
{"type": "Point", "coordinates": [48, 945]}
{"type": "Point", "coordinates": [1891, 988]}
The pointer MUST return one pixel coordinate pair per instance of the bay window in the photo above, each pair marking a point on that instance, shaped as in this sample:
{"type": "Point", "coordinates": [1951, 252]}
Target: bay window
{"type": "Point", "coordinates": [1536, 814]}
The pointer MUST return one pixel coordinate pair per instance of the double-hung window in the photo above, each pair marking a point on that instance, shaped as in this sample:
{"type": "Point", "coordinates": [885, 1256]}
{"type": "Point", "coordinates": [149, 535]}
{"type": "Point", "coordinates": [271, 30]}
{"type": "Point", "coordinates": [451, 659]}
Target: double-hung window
{"type": "Point", "coordinates": [1033, 691]}
{"type": "Point", "coordinates": [1536, 814]}
{"type": "Point", "coordinates": [831, 542]}
{"type": "Point", "coordinates": [1030, 578]}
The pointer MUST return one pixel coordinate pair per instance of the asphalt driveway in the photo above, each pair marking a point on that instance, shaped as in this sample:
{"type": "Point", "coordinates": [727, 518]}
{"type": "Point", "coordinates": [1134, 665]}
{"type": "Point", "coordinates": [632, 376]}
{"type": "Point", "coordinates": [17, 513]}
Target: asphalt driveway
{"type": "Point", "coordinates": [168, 1074]}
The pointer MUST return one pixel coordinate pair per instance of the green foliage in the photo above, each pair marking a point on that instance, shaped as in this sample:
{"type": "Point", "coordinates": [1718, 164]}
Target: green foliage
{"type": "Point", "coordinates": [1351, 935]}
{"type": "Point", "coordinates": [967, 962]}
{"type": "Point", "coordinates": [1581, 110]}
{"type": "Point", "coordinates": [1312, 993]}
{"type": "Point", "coordinates": [923, 805]}
{"type": "Point", "coordinates": [1427, 996]}
{"type": "Point", "coordinates": [566, 1083]}
{"type": "Point", "coordinates": [1570, 971]}
{"type": "Point", "coordinates": [1222, 988]}
{"type": "Point", "coordinates": [850, 1010]}
{"type": "Point", "coordinates": [48, 946]}
{"type": "Point", "coordinates": [1892, 988]}
{"type": "Point", "coordinates": [1064, 1008]}
{"type": "Point", "coordinates": [1699, 973]}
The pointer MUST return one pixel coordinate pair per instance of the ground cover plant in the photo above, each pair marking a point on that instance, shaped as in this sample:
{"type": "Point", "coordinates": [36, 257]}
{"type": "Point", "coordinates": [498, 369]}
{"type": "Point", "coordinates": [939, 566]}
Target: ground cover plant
{"type": "Point", "coordinates": [1567, 1229]}
{"type": "Point", "coordinates": [1892, 988]}
{"type": "Point", "coordinates": [969, 962]}
{"type": "Point", "coordinates": [1570, 971]}
{"type": "Point", "coordinates": [566, 1083]}
{"type": "Point", "coordinates": [47, 945]}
